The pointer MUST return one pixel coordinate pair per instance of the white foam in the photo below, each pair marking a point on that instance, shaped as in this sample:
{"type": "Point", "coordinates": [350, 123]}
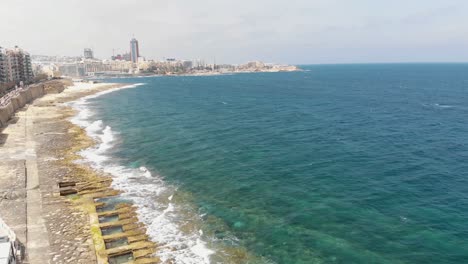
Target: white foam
{"type": "Point", "coordinates": [94, 128]}
{"type": "Point", "coordinates": [146, 172]}
{"type": "Point", "coordinates": [107, 137]}
{"type": "Point", "coordinates": [148, 191]}
{"type": "Point", "coordinates": [201, 250]}
{"type": "Point", "coordinates": [443, 106]}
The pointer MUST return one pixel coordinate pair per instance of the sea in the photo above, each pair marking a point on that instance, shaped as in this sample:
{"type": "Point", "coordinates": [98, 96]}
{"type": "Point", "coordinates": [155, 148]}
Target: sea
{"type": "Point", "coordinates": [357, 163]}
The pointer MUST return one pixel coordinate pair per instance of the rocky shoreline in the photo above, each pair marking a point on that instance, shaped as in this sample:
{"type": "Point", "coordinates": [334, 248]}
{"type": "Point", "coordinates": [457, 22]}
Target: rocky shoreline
{"type": "Point", "coordinates": [61, 219]}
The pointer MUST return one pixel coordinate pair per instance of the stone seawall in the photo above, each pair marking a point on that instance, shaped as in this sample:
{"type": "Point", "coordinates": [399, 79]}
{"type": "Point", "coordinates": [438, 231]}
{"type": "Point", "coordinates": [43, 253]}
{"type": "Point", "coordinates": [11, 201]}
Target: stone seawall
{"type": "Point", "coordinates": [17, 102]}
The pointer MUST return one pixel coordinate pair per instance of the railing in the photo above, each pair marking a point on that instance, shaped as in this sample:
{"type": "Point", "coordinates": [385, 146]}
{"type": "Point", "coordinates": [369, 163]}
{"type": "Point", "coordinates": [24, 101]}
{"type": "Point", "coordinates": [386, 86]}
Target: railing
{"type": "Point", "coordinates": [16, 249]}
{"type": "Point", "coordinates": [8, 96]}
{"type": "Point", "coordinates": [11, 235]}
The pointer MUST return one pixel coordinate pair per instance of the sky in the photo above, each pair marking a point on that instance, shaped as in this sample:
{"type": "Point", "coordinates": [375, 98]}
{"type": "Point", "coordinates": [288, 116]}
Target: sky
{"type": "Point", "coordinates": [228, 31]}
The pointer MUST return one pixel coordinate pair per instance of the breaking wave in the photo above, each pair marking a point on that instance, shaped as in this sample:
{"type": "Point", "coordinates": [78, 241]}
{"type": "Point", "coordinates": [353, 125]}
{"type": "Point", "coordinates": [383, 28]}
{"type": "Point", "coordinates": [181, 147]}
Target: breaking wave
{"type": "Point", "coordinates": [153, 197]}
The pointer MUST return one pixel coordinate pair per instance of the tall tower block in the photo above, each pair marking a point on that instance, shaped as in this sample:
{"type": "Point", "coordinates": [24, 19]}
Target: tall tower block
{"type": "Point", "coordinates": [134, 51]}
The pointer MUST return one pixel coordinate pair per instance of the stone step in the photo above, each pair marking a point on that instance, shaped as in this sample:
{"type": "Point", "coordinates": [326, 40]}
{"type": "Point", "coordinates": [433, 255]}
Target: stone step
{"type": "Point", "coordinates": [119, 223]}
{"type": "Point", "coordinates": [130, 248]}
{"type": "Point", "coordinates": [133, 235]}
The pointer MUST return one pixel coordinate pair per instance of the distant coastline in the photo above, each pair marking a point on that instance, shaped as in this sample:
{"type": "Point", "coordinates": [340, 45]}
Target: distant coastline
{"type": "Point", "coordinates": [92, 68]}
{"type": "Point", "coordinates": [279, 68]}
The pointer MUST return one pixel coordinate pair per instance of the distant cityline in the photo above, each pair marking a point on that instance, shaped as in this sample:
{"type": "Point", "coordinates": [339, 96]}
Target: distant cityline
{"type": "Point", "coordinates": [133, 55]}
{"type": "Point", "coordinates": [18, 66]}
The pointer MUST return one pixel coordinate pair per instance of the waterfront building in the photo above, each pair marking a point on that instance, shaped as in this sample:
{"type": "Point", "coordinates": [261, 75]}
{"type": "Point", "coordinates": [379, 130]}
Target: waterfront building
{"type": "Point", "coordinates": [117, 57]}
{"type": "Point", "coordinates": [120, 66]}
{"type": "Point", "coordinates": [54, 59]}
{"type": "Point", "coordinates": [255, 64]}
{"type": "Point", "coordinates": [88, 53]}
{"type": "Point", "coordinates": [13, 62]}
{"type": "Point", "coordinates": [134, 50]}
{"type": "Point", "coordinates": [72, 69]}
{"type": "Point", "coordinates": [3, 73]}
{"type": "Point", "coordinates": [93, 66]}
{"type": "Point", "coordinates": [187, 64]}
{"type": "Point", "coordinates": [51, 70]}
{"type": "Point", "coordinates": [17, 66]}
{"type": "Point", "coordinates": [127, 57]}
{"type": "Point", "coordinates": [29, 74]}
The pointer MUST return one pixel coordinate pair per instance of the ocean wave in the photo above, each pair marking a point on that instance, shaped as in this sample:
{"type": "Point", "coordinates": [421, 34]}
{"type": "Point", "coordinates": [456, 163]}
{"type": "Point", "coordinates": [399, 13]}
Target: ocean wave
{"type": "Point", "coordinates": [147, 190]}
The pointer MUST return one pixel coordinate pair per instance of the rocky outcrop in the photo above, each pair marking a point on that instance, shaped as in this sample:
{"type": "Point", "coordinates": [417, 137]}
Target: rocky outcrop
{"type": "Point", "coordinates": [56, 86]}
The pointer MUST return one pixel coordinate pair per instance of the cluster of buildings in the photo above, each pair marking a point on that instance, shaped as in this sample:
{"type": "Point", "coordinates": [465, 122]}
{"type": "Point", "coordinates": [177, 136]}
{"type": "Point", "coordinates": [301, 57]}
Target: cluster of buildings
{"type": "Point", "coordinates": [15, 67]}
{"type": "Point", "coordinates": [133, 55]}
{"type": "Point", "coordinates": [89, 66]}
{"type": "Point", "coordinates": [132, 63]}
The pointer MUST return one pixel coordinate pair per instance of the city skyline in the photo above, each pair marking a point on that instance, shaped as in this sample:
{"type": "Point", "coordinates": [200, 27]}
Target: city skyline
{"type": "Point", "coordinates": [297, 32]}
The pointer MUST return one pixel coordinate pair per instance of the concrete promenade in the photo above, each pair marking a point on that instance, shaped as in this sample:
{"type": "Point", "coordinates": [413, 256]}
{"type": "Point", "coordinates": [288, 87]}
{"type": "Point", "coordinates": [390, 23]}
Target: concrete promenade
{"type": "Point", "coordinates": [47, 225]}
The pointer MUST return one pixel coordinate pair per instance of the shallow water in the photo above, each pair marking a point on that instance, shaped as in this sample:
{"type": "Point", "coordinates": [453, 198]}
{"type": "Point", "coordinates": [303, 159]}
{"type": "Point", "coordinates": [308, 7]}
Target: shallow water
{"type": "Point", "coordinates": [336, 164]}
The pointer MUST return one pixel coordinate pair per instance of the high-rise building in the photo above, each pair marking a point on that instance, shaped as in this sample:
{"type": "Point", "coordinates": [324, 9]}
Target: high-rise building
{"type": "Point", "coordinates": [3, 73]}
{"type": "Point", "coordinates": [134, 51]}
{"type": "Point", "coordinates": [15, 66]}
{"type": "Point", "coordinates": [28, 70]}
{"type": "Point", "coordinates": [88, 53]}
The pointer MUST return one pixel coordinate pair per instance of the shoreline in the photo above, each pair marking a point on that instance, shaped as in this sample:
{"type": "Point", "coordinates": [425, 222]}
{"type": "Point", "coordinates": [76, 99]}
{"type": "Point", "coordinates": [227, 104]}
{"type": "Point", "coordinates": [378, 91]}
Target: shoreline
{"type": "Point", "coordinates": [172, 219]}
{"type": "Point", "coordinates": [191, 74]}
{"type": "Point", "coordinates": [174, 243]}
{"type": "Point", "coordinates": [72, 222]}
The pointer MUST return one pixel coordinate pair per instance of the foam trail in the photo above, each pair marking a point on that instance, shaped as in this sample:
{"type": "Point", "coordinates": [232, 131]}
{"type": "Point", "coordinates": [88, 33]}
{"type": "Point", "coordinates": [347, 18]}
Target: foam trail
{"type": "Point", "coordinates": [148, 191]}
{"type": "Point", "coordinates": [443, 106]}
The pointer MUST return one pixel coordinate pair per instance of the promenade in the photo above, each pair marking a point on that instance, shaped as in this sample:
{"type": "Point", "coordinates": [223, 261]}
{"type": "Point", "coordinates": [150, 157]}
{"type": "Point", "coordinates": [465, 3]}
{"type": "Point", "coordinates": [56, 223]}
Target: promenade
{"type": "Point", "coordinates": [47, 227]}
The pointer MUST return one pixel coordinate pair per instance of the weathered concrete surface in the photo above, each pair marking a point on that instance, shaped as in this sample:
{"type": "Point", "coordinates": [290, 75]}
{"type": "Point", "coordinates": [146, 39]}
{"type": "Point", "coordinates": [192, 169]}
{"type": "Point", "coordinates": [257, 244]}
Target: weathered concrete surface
{"type": "Point", "coordinates": [48, 226]}
{"type": "Point", "coordinates": [30, 94]}
{"type": "Point", "coordinates": [19, 156]}
{"type": "Point", "coordinates": [37, 237]}
{"type": "Point", "coordinates": [43, 222]}
{"type": "Point", "coordinates": [24, 97]}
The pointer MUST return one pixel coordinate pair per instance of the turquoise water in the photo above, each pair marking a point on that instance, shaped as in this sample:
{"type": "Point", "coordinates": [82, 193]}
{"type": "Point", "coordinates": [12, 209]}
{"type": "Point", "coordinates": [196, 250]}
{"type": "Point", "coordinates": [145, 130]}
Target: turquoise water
{"type": "Point", "coordinates": [336, 164]}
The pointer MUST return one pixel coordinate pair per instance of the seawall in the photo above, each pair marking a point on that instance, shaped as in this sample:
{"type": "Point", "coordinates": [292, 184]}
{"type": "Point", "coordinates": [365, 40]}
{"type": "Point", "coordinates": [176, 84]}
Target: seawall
{"type": "Point", "coordinates": [27, 96]}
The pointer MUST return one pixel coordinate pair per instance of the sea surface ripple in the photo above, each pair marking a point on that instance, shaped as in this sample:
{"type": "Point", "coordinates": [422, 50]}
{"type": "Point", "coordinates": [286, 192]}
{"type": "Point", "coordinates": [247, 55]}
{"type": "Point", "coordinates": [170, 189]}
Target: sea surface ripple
{"type": "Point", "coordinates": [335, 164]}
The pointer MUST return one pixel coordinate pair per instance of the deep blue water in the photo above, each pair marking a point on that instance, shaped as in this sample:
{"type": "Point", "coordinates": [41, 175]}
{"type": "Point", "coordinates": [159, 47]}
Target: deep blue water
{"type": "Point", "coordinates": [336, 164]}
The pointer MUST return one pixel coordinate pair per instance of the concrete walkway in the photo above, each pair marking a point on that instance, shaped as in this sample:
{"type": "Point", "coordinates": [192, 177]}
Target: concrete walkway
{"type": "Point", "coordinates": [48, 226]}
{"type": "Point", "coordinates": [21, 206]}
{"type": "Point", "coordinates": [37, 237]}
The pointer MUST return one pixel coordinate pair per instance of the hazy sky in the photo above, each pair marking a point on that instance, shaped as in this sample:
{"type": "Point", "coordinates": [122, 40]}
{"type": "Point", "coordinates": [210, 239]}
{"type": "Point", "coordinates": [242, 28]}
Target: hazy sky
{"type": "Point", "coordinates": [293, 31]}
